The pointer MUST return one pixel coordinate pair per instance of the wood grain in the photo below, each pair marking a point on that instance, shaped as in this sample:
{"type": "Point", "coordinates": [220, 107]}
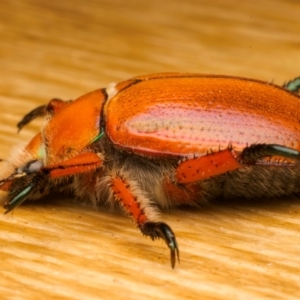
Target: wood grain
{"type": "Point", "coordinates": [59, 248]}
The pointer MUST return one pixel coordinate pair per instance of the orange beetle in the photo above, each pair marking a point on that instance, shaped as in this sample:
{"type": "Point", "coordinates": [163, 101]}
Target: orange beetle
{"type": "Point", "coordinates": [163, 140]}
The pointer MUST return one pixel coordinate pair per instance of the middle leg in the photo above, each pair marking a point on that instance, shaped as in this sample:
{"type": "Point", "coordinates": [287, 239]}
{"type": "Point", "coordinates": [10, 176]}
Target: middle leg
{"type": "Point", "coordinates": [137, 205]}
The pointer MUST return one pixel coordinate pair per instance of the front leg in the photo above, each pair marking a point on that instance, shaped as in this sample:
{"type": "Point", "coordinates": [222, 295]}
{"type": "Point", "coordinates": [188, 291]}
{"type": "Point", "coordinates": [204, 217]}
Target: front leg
{"type": "Point", "coordinates": [52, 108]}
{"type": "Point", "coordinates": [33, 175]}
{"type": "Point", "coordinates": [137, 205]}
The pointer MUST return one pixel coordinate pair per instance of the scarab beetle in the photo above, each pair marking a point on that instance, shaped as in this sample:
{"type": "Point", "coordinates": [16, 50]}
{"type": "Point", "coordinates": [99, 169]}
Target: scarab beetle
{"type": "Point", "coordinates": [163, 140]}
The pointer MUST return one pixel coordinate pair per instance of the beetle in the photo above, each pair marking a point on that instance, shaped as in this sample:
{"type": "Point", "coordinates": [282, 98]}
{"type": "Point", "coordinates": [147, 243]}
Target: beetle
{"type": "Point", "coordinates": [163, 140]}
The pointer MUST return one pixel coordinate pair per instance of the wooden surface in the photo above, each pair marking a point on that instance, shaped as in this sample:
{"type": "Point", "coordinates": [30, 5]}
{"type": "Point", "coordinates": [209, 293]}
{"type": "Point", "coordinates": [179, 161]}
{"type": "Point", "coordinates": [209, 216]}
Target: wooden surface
{"type": "Point", "coordinates": [58, 248]}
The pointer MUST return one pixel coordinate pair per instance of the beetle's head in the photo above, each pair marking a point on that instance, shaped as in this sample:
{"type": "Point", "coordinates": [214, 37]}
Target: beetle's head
{"type": "Point", "coordinates": [18, 172]}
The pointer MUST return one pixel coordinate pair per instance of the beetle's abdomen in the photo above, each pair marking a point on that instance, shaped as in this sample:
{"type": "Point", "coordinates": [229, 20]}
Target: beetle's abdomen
{"type": "Point", "coordinates": [254, 182]}
{"type": "Point", "coordinates": [195, 114]}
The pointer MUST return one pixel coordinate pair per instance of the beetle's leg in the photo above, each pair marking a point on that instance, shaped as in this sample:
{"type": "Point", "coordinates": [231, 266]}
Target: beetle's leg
{"type": "Point", "coordinates": [81, 163]}
{"type": "Point", "coordinates": [182, 194]}
{"type": "Point", "coordinates": [293, 85]}
{"type": "Point", "coordinates": [217, 163]}
{"type": "Point", "coordinates": [53, 107]}
{"type": "Point", "coordinates": [162, 230]}
{"type": "Point", "coordinates": [206, 166]}
{"type": "Point", "coordinates": [139, 208]}
{"type": "Point", "coordinates": [19, 196]}
{"type": "Point", "coordinates": [259, 151]}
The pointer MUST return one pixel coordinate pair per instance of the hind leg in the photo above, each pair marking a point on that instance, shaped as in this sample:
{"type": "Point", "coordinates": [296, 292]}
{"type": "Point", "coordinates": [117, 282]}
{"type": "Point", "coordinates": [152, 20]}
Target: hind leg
{"type": "Point", "coordinates": [293, 85]}
{"type": "Point", "coordinates": [210, 165]}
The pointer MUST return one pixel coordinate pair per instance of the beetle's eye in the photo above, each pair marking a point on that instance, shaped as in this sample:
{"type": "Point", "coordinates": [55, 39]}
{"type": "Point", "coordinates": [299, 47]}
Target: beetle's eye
{"type": "Point", "coordinates": [32, 166]}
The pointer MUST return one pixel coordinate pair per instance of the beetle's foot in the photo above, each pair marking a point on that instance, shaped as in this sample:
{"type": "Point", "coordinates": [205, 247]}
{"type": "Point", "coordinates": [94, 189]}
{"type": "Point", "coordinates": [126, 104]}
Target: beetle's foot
{"type": "Point", "coordinates": [35, 113]}
{"type": "Point", "coordinates": [259, 151]}
{"type": "Point", "coordinates": [23, 190]}
{"type": "Point", "coordinates": [161, 230]}
{"type": "Point", "coordinates": [293, 85]}
{"type": "Point", "coordinates": [54, 106]}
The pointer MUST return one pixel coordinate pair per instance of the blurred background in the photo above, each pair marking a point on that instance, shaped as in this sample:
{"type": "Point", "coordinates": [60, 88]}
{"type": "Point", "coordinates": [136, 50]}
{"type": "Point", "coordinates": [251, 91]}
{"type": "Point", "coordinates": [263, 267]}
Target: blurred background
{"type": "Point", "coordinates": [63, 250]}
